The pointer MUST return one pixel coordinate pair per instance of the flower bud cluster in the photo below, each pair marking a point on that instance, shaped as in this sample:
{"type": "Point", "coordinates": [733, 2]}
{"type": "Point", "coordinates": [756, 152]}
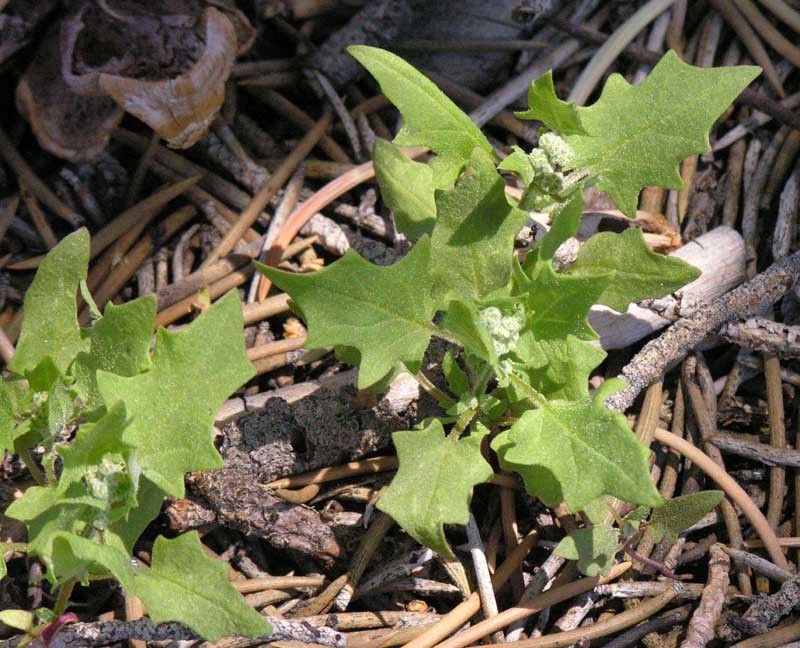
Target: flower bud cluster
{"type": "Point", "coordinates": [504, 328]}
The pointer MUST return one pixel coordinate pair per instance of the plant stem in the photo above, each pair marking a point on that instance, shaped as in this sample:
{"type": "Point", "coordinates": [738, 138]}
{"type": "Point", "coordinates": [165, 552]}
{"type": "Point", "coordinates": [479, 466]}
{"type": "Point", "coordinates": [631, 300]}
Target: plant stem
{"type": "Point", "coordinates": [62, 601]}
{"type": "Point", "coordinates": [530, 393]}
{"type": "Point", "coordinates": [482, 380]}
{"type": "Point", "coordinates": [461, 424]}
{"type": "Point", "coordinates": [571, 181]}
{"type": "Point", "coordinates": [444, 400]}
{"type": "Point", "coordinates": [13, 546]}
{"type": "Point", "coordinates": [33, 468]}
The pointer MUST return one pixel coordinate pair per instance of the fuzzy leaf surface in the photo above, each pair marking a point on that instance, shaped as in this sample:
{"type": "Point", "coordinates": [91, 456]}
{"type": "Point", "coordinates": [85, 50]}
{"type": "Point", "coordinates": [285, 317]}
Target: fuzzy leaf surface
{"type": "Point", "coordinates": [473, 238]}
{"type": "Point", "coordinates": [172, 406]}
{"type": "Point", "coordinates": [461, 319]}
{"type": "Point", "coordinates": [558, 303]}
{"type": "Point", "coordinates": [576, 451]}
{"type": "Point", "coordinates": [559, 369]}
{"type": "Point", "coordinates": [637, 135]}
{"type": "Point", "coordinates": [679, 513]}
{"type": "Point", "coordinates": [183, 584]}
{"type": "Point", "coordinates": [566, 220]}
{"type": "Point", "coordinates": [450, 468]}
{"type": "Point", "coordinates": [72, 506]}
{"type": "Point", "coordinates": [636, 271]}
{"type": "Point", "coordinates": [384, 313]}
{"type": "Point", "coordinates": [430, 118]}
{"type": "Point", "coordinates": [593, 548]}
{"type": "Point", "coordinates": [7, 422]}
{"type": "Point", "coordinates": [545, 106]}
{"type": "Point", "coordinates": [50, 328]}
{"type": "Point", "coordinates": [120, 344]}
{"type": "Point", "coordinates": [456, 377]}
{"type": "Point", "coordinates": [406, 187]}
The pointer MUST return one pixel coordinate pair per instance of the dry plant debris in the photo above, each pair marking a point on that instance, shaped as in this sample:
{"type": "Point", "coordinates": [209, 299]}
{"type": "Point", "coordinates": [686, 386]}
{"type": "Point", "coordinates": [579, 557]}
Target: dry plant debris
{"type": "Point", "coordinates": [277, 129]}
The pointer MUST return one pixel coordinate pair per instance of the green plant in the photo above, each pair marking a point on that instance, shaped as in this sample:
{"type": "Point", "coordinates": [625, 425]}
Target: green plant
{"type": "Point", "coordinates": [521, 343]}
{"type": "Point", "coordinates": [118, 427]}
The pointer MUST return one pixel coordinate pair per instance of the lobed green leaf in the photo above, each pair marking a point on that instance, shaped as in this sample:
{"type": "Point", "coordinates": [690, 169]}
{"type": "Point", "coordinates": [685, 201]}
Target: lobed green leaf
{"type": "Point", "coordinates": [576, 451]}
{"type": "Point", "coordinates": [119, 344]}
{"type": "Point", "coordinates": [383, 313]}
{"type": "Point", "coordinates": [473, 239]}
{"type": "Point", "coordinates": [636, 272]}
{"type": "Point", "coordinates": [558, 368]}
{"type": "Point", "coordinates": [545, 106]}
{"type": "Point", "coordinates": [593, 548]}
{"type": "Point", "coordinates": [50, 329]}
{"type": "Point", "coordinates": [183, 584]}
{"type": "Point", "coordinates": [172, 406]}
{"type": "Point", "coordinates": [558, 304]}
{"type": "Point", "coordinates": [406, 188]}
{"type": "Point", "coordinates": [431, 119]}
{"type": "Point", "coordinates": [679, 513]}
{"type": "Point", "coordinates": [451, 468]}
{"type": "Point", "coordinates": [666, 119]}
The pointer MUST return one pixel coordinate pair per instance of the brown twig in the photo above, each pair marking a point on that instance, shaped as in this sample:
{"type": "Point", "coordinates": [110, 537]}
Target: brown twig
{"type": "Point", "coordinates": [768, 32]}
{"type": "Point", "coordinates": [459, 615]}
{"type": "Point", "coordinates": [131, 260]}
{"type": "Point", "coordinates": [733, 186]}
{"type": "Point", "coordinates": [275, 347]}
{"type": "Point", "coordinates": [707, 426]}
{"type": "Point", "coordinates": [761, 452]}
{"type": "Point", "coordinates": [37, 187]}
{"type": "Point", "coordinates": [777, 436]}
{"type": "Point", "coordinates": [701, 627]}
{"type": "Point", "coordinates": [270, 188]}
{"type": "Point", "coordinates": [676, 342]}
{"type": "Point", "coordinates": [361, 558]}
{"type": "Point", "coordinates": [219, 186]}
{"type": "Point", "coordinates": [754, 189]}
{"type": "Point", "coordinates": [508, 516]}
{"type": "Point", "coordinates": [277, 583]}
{"type": "Point", "coordinates": [213, 209]}
{"type": "Point", "coordinates": [677, 19]}
{"type": "Point", "coordinates": [119, 226]}
{"type": "Point", "coordinates": [551, 597]}
{"type": "Point", "coordinates": [600, 629]}
{"type": "Point", "coordinates": [750, 40]}
{"type": "Point", "coordinates": [366, 466]}
{"type": "Point", "coordinates": [780, 637]}
{"type": "Point", "coordinates": [282, 212]}
{"type": "Point", "coordinates": [38, 217]}
{"type": "Point", "coordinates": [732, 490]}
{"type": "Point", "coordinates": [142, 166]}
{"type": "Point", "coordinates": [297, 116]}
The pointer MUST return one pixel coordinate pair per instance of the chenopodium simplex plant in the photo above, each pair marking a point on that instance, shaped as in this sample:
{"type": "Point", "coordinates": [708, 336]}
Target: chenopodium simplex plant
{"type": "Point", "coordinates": [118, 427]}
{"type": "Point", "coordinates": [521, 330]}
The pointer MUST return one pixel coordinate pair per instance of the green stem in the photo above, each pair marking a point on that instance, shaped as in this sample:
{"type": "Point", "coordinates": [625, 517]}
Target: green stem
{"type": "Point", "coordinates": [482, 381]}
{"type": "Point", "coordinates": [62, 601]}
{"type": "Point", "coordinates": [530, 393]}
{"type": "Point", "coordinates": [33, 468]}
{"type": "Point", "coordinates": [13, 546]}
{"type": "Point", "coordinates": [571, 182]}
{"type": "Point", "coordinates": [441, 333]}
{"type": "Point", "coordinates": [444, 400]}
{"type": "Point", "coordinates": [461, 424]}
